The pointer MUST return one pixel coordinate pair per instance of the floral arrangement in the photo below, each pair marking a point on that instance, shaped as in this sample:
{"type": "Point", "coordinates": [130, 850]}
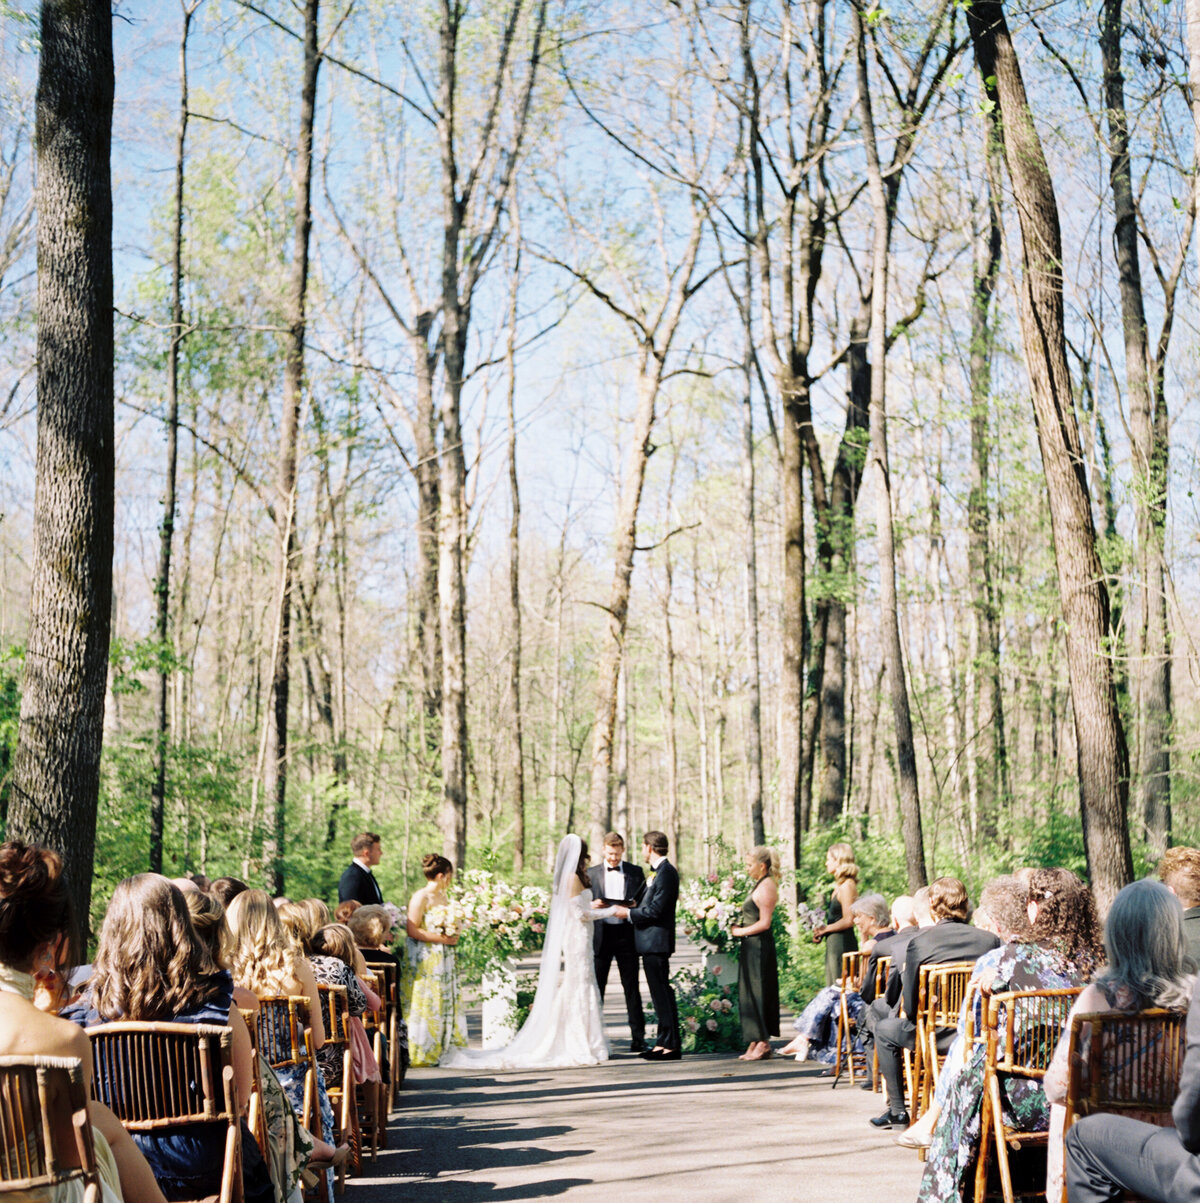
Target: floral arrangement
{"type": "Point", "coordinates": [446, 920]}
{"type": "Point", "coordinates": [708, 1011]}
{"type": "Point", "coordinates": [502, 920]}
{"type": "Point", "coordinates": [808, 919]}
{"type": "Point", "coordinates": [712, 905]}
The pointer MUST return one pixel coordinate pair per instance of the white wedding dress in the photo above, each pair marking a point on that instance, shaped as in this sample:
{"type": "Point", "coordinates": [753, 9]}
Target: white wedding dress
{"type": "Point", "coordinates": [565, 1027]}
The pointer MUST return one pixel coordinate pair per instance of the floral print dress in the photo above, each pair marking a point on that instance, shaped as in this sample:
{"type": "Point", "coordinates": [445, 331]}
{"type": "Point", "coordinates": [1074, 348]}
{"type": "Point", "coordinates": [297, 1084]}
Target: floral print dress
{"type": "Point", "coordinates": [431, 1002]}
{"type": "Point", "coordinates": [1019, 966]}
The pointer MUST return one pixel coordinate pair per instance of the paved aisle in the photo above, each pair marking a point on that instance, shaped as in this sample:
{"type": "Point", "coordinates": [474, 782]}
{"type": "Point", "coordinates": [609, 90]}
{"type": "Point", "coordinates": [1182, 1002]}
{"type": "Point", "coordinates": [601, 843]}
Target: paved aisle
{"type": "Point", "coordinates": [702, 1129]}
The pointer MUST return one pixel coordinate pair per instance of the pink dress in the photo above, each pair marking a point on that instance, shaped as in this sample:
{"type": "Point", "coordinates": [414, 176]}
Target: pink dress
{"type": "Point", "coordinates": [366, 1068]}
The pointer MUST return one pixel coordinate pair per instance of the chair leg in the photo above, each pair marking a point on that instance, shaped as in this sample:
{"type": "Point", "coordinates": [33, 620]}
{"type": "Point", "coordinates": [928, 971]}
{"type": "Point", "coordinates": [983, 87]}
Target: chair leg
{"type": "Point", "coordinates": [993, 1094]}
{"type": "Point", "coordinates": [985, 1131]}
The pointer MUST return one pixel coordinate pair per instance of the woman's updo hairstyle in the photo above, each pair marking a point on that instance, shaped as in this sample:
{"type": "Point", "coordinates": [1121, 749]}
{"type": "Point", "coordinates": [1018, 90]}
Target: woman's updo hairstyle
{"type": "Point", "coordinates": [432, 864]}
{"type": "Point", "coordinates": [768, 857]}
{"type": "Point", "coordinates": [35, 907]}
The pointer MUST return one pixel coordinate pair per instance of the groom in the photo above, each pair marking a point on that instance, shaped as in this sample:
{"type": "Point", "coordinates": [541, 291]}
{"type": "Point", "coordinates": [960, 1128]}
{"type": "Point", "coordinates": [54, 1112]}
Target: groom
{"type": "Point", "coordinates": [616, 881]}
{"type": "Point", "coordinates": [653, 922]}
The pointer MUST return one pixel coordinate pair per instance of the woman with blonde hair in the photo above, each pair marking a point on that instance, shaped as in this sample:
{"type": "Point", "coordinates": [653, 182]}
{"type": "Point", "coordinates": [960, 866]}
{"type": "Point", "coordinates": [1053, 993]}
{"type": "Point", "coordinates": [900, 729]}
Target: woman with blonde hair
{"type": "Point", "coordinates": [758, 968]}
{"type": "Point", "coordinates": [266, 960]}
{"type": "Point", "coordinates": [838, 928]}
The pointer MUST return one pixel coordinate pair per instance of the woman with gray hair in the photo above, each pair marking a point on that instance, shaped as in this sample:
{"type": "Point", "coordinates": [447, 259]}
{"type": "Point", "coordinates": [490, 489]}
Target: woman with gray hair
{"type": "Point", "coordinates": [816, 1025]}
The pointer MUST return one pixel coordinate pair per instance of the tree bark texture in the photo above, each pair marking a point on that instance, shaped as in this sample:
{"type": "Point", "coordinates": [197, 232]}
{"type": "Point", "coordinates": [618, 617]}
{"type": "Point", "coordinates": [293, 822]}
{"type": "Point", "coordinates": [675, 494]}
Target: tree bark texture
{"type": "Point", "coordinates": [276, 764]}
{"type": "Point", "coordinates": [1152, 672]}
{"type": "Point", "coordinates": [1100, 739]}
{"type": "Point", "coordinates": [55, 776]}
{"type": "Point", "coordinates": [910, 801]}
{"type": "Point", "coordinates": [516, 749]}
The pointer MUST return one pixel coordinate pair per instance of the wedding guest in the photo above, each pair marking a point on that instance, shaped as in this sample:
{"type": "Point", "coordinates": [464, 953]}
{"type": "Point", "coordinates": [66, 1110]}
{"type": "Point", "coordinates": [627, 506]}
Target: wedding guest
{"type": "Point", "coordinates": [816, 1025]}
{"type": "Point", "coordinates": [949, 939]}
{"type": "Point", "coordinates": [358, 880]}
{"type": "Point", "coordinates": [758, 970]}
{"type": "Point", "coordinates": [1148, 966]}
{"type": "Point", "coordinates": [226, 889]}
{"type": "Point", "coordinates": [432, 1007]}
{"type": "Point", "coordinates": [343, 910]}
{"type": "Point", "coordinates": [35, 922]}
{"type": "Point", "coordinates": [269, 963]}
{"type": "Point", "coordinates": [1052, 943]}
{"type": "Point", "coordinates": [901, 917]}
{"type": "Point", "coordinates": [372, 929]}
{"type": "Point", "coordinates": [838, 929]}
{"type": "Point", "coordinates": [1179, 871]}
{"type": "Point", "coordinates": [151, 966]}
{"type": "Point", "coordinates": [334, 941]}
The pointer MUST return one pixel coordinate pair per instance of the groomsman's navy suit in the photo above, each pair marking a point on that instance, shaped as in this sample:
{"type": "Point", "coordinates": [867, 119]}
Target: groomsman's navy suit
{"type": "Point", "coordinates": [653, 920]}
{"type": "Point", "coordinates": [359, 885]}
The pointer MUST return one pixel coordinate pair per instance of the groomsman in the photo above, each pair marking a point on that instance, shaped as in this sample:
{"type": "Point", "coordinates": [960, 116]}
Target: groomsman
{"type": "Point", "coordinates": [358, 881]}
{"type": "Point", "coordinates": [617, 881]}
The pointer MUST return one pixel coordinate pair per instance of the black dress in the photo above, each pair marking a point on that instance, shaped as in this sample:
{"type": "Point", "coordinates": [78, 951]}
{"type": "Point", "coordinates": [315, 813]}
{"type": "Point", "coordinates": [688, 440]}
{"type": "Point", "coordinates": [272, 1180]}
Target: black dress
{"type": "Point", "coordinates": [758, 980]}
{"type": "Point", "coordinates": [837, 942]}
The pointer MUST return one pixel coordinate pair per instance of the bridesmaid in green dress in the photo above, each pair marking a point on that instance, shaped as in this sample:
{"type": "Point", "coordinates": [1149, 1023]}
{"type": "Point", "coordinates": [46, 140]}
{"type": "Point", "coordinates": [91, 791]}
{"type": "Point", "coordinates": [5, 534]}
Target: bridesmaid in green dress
{"type": "Point", "coordinates": [838, 929]}
{"type": "Point", "coordinates": [758, 970]}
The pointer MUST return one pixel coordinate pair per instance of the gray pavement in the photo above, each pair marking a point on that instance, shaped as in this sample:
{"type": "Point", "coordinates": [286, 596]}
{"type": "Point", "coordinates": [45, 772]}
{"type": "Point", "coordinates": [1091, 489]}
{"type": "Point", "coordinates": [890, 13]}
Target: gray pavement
{"type": "Point", "coordinates": [707, 1128]}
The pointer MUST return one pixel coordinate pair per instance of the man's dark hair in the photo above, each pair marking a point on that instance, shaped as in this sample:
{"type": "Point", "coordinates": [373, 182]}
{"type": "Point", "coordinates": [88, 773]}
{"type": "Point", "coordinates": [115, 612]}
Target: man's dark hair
{"type": "Point", "coordinates": [656, 842]}
{"type": "Point", "coordinates": [364, 842]}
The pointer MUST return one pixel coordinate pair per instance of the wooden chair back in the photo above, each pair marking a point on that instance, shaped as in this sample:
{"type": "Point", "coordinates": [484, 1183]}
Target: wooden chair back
{"type": "Point", "coordinates": [335, 1012]}
{"type": "Point", "coordinates": [882, 968]}
{"type": "Point", "coordinates": [1021, 1030]}
{"type": "Point", "coordinates": [255, 1115]}
{"type": "Point", "coordinates": [854, 965]}
{"type": "Point", "coordinates": [154, 1076]}
{"type": "Point", "coordinates": [285, 1044]}
{"type": "Point", "coordinates": [389, 976]}
{"type": "Point", "coordinates": [45, 1135]}
{"type": "Point", "coordinates": [947, 987]}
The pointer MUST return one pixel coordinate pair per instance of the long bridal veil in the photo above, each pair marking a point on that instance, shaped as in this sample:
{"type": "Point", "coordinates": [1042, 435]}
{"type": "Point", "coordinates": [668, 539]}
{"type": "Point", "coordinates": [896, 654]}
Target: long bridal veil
{"type": "Point", "coordinates": [537, 1031]}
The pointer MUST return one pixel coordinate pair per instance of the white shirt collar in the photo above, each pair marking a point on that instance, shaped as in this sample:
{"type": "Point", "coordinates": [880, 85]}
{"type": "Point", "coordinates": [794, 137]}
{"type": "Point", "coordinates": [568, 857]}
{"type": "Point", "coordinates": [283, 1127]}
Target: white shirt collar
{"type": "Point", "coordinates": [362, 864]}
{"type": "Point", "coordinates": [656, 860]}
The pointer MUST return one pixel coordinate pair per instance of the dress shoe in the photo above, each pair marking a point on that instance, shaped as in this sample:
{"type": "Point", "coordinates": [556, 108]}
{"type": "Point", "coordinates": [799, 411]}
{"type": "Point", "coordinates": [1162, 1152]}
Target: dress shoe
{"type": "Point", "coordinates": [909, 1140]}
{"type": "Point", "coordinates": [663, 1054]}
{"type": "Point", "coordinates": [891, 1119]}
{"type": "Point", "coordinates": [867, 1085]}
{"type": "Point", "coordinates": [637, 1046]}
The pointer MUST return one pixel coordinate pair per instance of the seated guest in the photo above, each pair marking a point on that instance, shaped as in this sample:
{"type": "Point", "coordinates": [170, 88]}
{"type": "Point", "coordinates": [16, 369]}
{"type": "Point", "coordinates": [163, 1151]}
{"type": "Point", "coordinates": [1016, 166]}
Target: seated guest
{"type": "Point", "coordinates": [334, 942]}
{"type": "Point", "coordinates": [903, 915]}
{"type": "Point", "coordinates": [887, 1005]}
{"type": "Point", "coordinates": [344, 910]}
{"type": "Point", "coordinates": [290, 1143]}
{"type": "Point", "coordinates": [1059, 949]}
{"type": "Point", "coordinates": [226, 889]}
{"type": "Point", "coordinates": [35, 924]}
{"type": "Point", "coordinates": [268, 963]}
{"type": "Point", "coordinates": [150, 966]}
{"type": "Point", "coordinates": [372, 930]}
{"type": "Point", "coordinates": [1179, 871]}
{"type": "Point", "coordinates": [949, 939]}
{"type": "Point", "coordinates": [1148, 966]}
{"type": "Point", "coordinates": [816, 1025]}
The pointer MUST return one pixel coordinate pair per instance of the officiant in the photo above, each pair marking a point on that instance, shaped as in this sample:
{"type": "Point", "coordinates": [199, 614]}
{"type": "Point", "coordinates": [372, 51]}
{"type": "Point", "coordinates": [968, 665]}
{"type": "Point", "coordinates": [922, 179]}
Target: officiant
{"type": "Point", "coordinates": [618, 881]}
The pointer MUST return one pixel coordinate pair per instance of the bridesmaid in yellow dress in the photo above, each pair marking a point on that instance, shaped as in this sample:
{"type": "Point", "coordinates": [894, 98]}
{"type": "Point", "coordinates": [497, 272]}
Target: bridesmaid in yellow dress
{"type": "Point", "coordinates": [431, 999]}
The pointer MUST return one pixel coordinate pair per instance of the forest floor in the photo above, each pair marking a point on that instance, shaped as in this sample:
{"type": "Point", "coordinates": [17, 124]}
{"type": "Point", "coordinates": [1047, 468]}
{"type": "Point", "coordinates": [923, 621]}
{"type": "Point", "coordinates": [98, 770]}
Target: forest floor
{"type": "Point", "coordinates": [705, 1129]}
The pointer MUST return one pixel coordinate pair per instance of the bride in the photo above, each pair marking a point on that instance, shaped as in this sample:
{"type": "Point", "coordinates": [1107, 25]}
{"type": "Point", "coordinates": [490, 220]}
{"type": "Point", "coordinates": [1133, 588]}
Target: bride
{"type": "Point", "coordinates": [564, 1027]}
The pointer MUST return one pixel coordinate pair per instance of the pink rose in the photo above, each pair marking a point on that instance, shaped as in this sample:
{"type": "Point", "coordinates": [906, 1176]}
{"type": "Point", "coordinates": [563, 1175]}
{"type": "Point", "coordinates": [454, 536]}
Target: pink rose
{"type": "Point", "coordinates": [711, 1024]}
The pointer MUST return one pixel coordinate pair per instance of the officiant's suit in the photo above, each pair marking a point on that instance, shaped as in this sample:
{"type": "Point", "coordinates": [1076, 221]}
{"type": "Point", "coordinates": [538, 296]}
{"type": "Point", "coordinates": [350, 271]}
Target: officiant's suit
{"type": "Point", "coordinates": [613, 939]}
{"type": "Point", "coordinates": [653, 921]}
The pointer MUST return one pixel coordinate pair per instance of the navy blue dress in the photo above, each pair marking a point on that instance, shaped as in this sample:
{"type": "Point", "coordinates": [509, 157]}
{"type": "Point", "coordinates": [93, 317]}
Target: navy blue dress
{"type": "Point", "coordinates": [187, 1161]}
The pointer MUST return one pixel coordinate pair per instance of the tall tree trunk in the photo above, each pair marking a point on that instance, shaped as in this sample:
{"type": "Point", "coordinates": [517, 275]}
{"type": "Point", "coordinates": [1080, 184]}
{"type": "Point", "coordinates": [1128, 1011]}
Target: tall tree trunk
{"type": "Point", "coordinates": [910, 802]}
{"type": "Point", "coordinates": [56, 769]}
{"type": "Point", "coordinates": [990, 778]}
{"type": "Point", "coordinates": [429, 631]}
{"type": "Point", "coordinates": [1193, 39]}
{"type": "Point", "coordinates": [276, 775]}
{"type": "Point", "coordinates": [1103, 760]}
{"type": "Point", "coordinates": [162, 585]}
{"type": "Point", "coordinates": [671, 819]}
{"type": "Point", "coordinates": [1152, 689]}
{"type": "Point", "coordinates": [516, 749]}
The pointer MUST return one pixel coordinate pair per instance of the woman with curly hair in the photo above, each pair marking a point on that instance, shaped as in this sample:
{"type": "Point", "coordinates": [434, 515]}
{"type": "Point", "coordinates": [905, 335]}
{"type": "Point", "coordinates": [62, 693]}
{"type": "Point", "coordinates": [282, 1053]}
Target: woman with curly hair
{"type": "Point", "coordinates": [1059, 949]}
{"type": "Point", "coordinates": [35, 924]}
{"type": "Point", "coordinates": [151, 966]}
{"type": "Point", "coordinates": [838, 928]}
{"type": "Point", "coordinates": [266, 960]}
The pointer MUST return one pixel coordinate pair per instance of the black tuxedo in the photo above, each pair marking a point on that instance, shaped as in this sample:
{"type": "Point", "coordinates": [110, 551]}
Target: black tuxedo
{"type": "Point", "coordinates": [653, 921]}
{"type": "Point", "coordinates": [883, 948]}
{"type": "Point", "coordinates": [615, 941]}
{"type": "Point", "coordinates": [358, 885]}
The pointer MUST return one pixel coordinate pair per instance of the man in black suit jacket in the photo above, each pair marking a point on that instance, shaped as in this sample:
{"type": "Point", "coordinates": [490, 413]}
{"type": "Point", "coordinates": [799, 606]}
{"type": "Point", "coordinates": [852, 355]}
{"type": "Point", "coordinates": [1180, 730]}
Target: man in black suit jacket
{"type": "Point", "coordinates": [1106, 1154]}
{"type": "Point", "coordinates": [950, 938]}
{"type": "Point", "coordinates": [653, 920]}
{"type": "Point", "coordinates": [617, 882]}
{"type": "Point", "coordinates": [358, 882]}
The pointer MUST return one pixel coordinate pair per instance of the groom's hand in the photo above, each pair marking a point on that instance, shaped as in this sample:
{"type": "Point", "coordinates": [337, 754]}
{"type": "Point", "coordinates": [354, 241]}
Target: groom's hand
{"type": "Point", "coordinates": [620, 912]}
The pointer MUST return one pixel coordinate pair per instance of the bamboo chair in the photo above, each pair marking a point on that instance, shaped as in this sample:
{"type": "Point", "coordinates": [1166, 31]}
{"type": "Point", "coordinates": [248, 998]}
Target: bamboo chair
{"type": "Point", "coordinates": [156, 1076]}
{"type": "Point", "coordinates": [372, 1096]}
{"type": "Point", "coordinates": [1125, 1064]}
{"type": "Point", "coordinates": [947, 988]}
{"type": "Point", "coordinates": [854, 965]}
{"type": "Point", "coordinates": [45, 1134]}
{"type": "Point", "coordinates": [1021, 1029]}
{"type": "Point", "coordinates": [285, 1042]}
{"type": "Point", "coordinates": [882, 968]}
{"type": "Point", "coordinates": [256, 1118]}
{"type": "Point", "coordinates": [389, 976]}
{"type": "Point", "coordinates": [339, 1085]}
{"type": "Point", "coordinates": [914, 1058]}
